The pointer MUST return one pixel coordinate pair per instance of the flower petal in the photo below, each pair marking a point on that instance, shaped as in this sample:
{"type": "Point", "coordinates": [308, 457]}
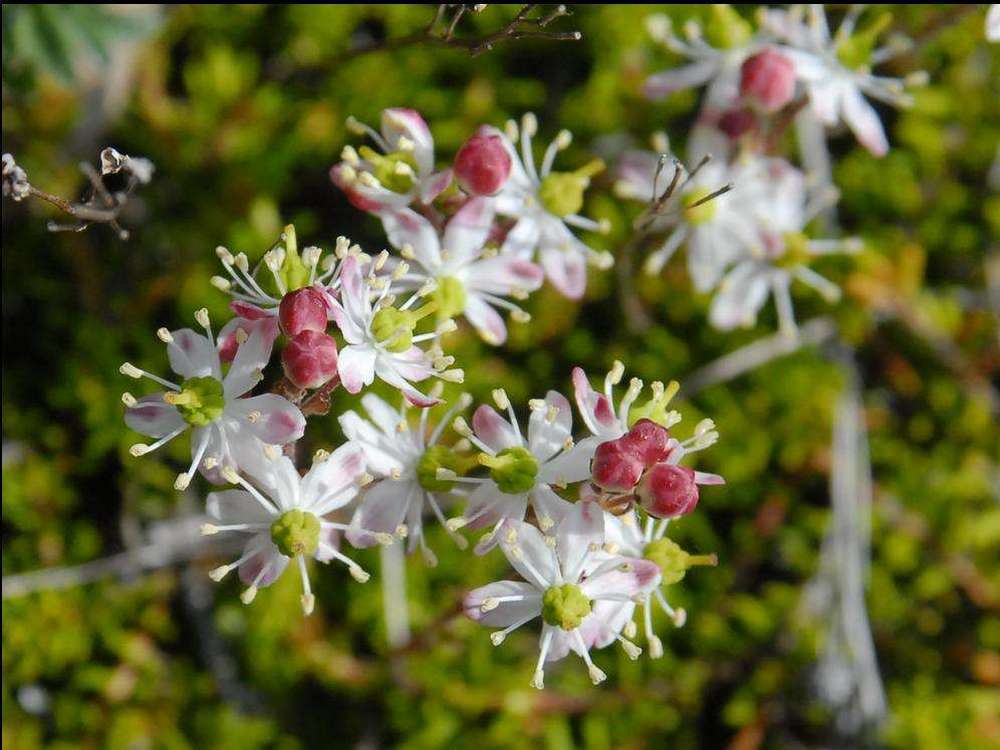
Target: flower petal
{"type": "Point", "coordinates": [269, 417]}
{"type": "Point", "coordinates": [495, 431]}
{"type": "Point", "coordinates": [192, 355]}
{"type": "Point", "coordinates": [506, 613]}
{"type": "Point", "coordinates": [356, 367]}
{"type": "Point", "coordinates": [153, 416]}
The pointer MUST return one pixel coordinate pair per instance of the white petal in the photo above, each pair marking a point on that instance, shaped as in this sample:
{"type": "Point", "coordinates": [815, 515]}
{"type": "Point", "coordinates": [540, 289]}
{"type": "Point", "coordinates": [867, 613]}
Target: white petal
{"type": "Point", "coordinates": [506, 613]}
{"type": "Point", "coordinates": [495, 431]}
{"type": "Point", "coordinates": [864, 121]}
{"type": "Point", "coordinates": [153, 416]}
{"type": "Point", "coordinates": [406, 227]}
{"type": "Point", "coordinates": [660, 85]}
{"type": "Point", "coordinates": [546, 438]}
{"type": "Point", "coordinates": [192, 355]}
{"type": "Point", "coordinates": [236, 506]}
{"type": "Point", "coordinates": [580, 530]}
{"type": "Point", "coordinates": [251, 358]}
{"type": "Point", "coordinates": [333, 482]}
{"type": "Point", "coordinates": [468, 229]}
{"type": "Point", "coordinates": [269, 417]}
{"type": "Point", "coordinates": [528, 553]}
{"type": "Point", "coordinates": [356, 366]}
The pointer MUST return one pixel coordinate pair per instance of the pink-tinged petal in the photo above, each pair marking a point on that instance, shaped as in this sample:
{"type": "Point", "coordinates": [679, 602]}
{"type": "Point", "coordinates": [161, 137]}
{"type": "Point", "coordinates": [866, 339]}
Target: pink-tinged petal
{"type": "Point", "coordinates": [546, 436]}
{"type": "Point", "coordinates": [192, 355]}
{"type": "Point", "coordinates": [595, 409]}
{"type": "Point", "coordinates": [221, 453]}
{"type": "Point", "coordinates": [354, 292]}
{"type": "Point", "coordinates": [468, 229]}
{"type": "Point", "coordinates": [506, 613]}
{"type": "Point", "coordinates": [636, 169]}
{"type": "Point", "coordinates": [329, 542]}
{"type": "Point", "coordinates": [487, 505]}
{"type": "Point", "coordinates": [380, 456]}
{"type": "Point", "coordinates": [406, 227]}
{"type": "Point", "coordinates": [740, 296]}
{"type": "Point", "coordinates": [236, 506]}
{"type": "Point", "coordinates": [825, 100]}
{"type": "Point", "coordinates": [331, 483]}
{"type": "Point", "coordinates": [434, 185]}
{"type": "Point", "coordinates": [528, 553]}
{"type": "Point", "coordinates": [228, 343]}
{"type": "Point", "coordinates": [607, 620]}
{"type": "Point", "coordinates": [522, 239]}
{"type": "Point", "coordinates": [504, 274]}
{"type": "Point", "coordinates": [661, 85]}
{"type": "Point", "coordinates": [572, 465]}
{"type": "Point", "coordinates": [153, 416]}
{"type": "Point", "coordinates": [268, 417]}
{"type": "Point", "coordinates": [701, 477]}
{"type": "Point", "coordinates": [265, 566]}
{"type": "Point", "coordinates": [356, 366]}
{"type": "Point", "coordinates": [549, 507]}
{"type": "Point", "coordinates": [486, 320]}
{"type": "Point", "coordinates": [251, 312]}
{"type": "Point", "coordinates": [248, 365]}
{"type": "Point", "coordinates": [495, 431]}
{"type": "Point", "coordinates": [566, 269]}
{"type": "Point", "coordinates": [383, 508]}
{"type": "Point", "coordinates": [640, 577]}
{"type": "Point", "coordinates": [400, 122]}
{"type": "Point", "coordinates": [560, 644]}
{"type": "Point", "coordinates": [580, 529]}
{"type": "Point", "coordinates": [864, 122]}
{"type": "Point", "coordinates": [364, 198]}
{"type": "Point", "coordinates": [413, 364]}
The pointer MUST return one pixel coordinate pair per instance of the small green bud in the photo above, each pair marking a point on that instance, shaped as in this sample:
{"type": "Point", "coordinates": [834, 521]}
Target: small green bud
{"type": "Point", "coordinates": [450, 297]}
{"type": "Point", "coordinates": [296, 532]}
{"type": "Point", "coordinates": [561, 193]}
{"type": "Point", "coordinates": [395, 171]}
{"type": "Point", "coordinates": [565, 606]}
{"type": "Point", "coordinates": [726, 29]}
{"type": "Point", "coordinates": [701, 214]}
{"type": "Point", "coordinates": [674, 561]}
{"type": "Point", "coordinates": [293, 271]}
{"type": "Point", "coordinates": [200, 400]}
{"type": "Point", "coordinates": [513, 469]}
{"type": "Point", "coordinates": [434, 458]}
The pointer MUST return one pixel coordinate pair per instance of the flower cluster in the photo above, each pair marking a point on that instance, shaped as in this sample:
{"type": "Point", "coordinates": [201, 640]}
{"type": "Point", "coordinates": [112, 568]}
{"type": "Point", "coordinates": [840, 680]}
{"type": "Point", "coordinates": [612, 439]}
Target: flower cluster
{"type": "Point", "coordinates": [754, 240]}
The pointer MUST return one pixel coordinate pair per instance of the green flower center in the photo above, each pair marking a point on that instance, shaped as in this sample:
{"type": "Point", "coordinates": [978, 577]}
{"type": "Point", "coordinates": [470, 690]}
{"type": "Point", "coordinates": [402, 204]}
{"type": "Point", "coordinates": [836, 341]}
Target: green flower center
{"type": "Point", "coordinates": [726, 29]}
{"type": "Point", "coordinates": [200, 400]}
{"type": "Point", "coordinates": [701, 214]}
{"type": "Point", "coordinates": [393, 328]}
{"type": "Point", "coordinates": [672, 560]}
{"type": "Point", "coordinates": [434, 458]}
{"type": "Point", "coordinates": [656, 408]}
{"type": "Point", "coordinates": [565, 606]}
{"type": "Point", "coordinates": [396, 171]}
{"type": "Point", "coordinates": [796, 251]}
{"type": "Point", "coordinates": [450, 297]}
{"type": "Point", "coordinates": [561, 193]}
{"type": "Point", "coordinates": [855, 52]}
{"type": "Point", "coordinates": [513, 469]}
{"type": "Point", "coordinates": [296, 532]}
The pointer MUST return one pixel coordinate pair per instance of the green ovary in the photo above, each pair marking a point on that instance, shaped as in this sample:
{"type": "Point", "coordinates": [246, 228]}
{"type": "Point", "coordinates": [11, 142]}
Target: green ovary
{"type": "Point", "coordinates": [565, 606]}
{"type": "Point", "coordinates": [561, 193]}
{"type": "Point", "coordinates": [393, 328]}
{"type": "Point", "coordinates": [200, 400]}
{"type": "Point", "coordinates": [434, 458]}
{"type": "Point", "coordinates": [395, 171]}
{"type": "Point", "coordinates": [296, 532]}
{"type": "Point", "coordinates": [672, 560]}
{"type": "Point", "coordinates": [513, 469]}
{"type": "Point", "coordinates": [450, 297]}
{"type": "Point", "coordinates": [701, 214]}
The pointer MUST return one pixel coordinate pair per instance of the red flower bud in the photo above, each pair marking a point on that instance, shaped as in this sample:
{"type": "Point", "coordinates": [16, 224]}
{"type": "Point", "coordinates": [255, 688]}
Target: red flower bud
{"type": "Point", "coordinates": [303, 310]}
{"type": "Point", "coordinates": [648, 441]}
{"type": "Point", "coordinates": [310, 359]}
{"type": "Point", "coordinates": [667, 491]}
{"type": "Point", "coordinates": [482, 165]}
{"type": "Point", "coordinates": [737, 122]}
{"type": "Point", "coordinates": [769, 79]}
{"type": "Point", "coordinates": [615, 468]}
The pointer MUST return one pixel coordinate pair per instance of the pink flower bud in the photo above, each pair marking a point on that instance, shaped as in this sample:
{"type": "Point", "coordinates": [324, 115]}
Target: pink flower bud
{"type": "Point", "coordinates": [768, 78]}
{"type": "Point", "coordinates": [303, 310]}
{"type": "Point", "coordinates": [310, 359]}
{"type": "Point", "coordinates": [667, 491]}
{"type": "Point", "coordinates": [737, 122]}
{"type": "Point", "coordinates": [615, 468]}
{"type": "Point", "coordinates": [482, 165]}
{"type": "Point", "coordinates": [648, 441]}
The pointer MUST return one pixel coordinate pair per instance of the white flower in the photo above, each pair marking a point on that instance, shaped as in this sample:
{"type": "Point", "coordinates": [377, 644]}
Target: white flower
{"type": "Point", "coordinates": [836, 69]}
{"type": "Point", "coordinates": [468, 278]}
{"type": "Point", "coordinates": [210, 403]}
{"type": "Point", "coordinates": [521, 471]}
{"type": "Point", "coordinates": [284, 516]}
{"type": "Point", "coordinates": [782, 207]}
{"type": "Point", "coordinates": [993, 23]}
{"type": "Point", "coordinates": [404, 461]}
{"type": "Point", "coordinates": [545, 204]}
{"type": "Point", "coordinates": [626, 536]}
{"type": "Point", "coordinates": [402, 174]}
{"type": "Point", "coordinates": [563, 583]}
{"type": "Point", "coordinates": [380, 338]}
{"type": "Point", "coordinates": [715, 60]}
{"type": "Point", "coordinates": [715, 232]}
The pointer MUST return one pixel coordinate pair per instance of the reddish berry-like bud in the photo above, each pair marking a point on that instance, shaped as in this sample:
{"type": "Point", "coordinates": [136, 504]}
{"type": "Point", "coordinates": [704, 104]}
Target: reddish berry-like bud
{"type": "Point", "coordinates": [769, 79]}
{"type": "Point", "coordinates": [667, 491]}
{"type": "Point", "coordinates": [737, 122]}
{"type": "Point", "coordinates": [310, 359]}
{"type": "Point", "coordinates": [615, 468]}
{"type": "Point", "coordinates": [303, 310]}
{"type": "Point", "coordinates": [647, 441]}
{"type": "Point", "coordinates": [482, 165]}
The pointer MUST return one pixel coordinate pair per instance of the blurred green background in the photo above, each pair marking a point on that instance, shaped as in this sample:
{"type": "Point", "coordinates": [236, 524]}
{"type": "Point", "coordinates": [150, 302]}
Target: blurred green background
{"type": "Point", "coordinates": [242, 110]}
